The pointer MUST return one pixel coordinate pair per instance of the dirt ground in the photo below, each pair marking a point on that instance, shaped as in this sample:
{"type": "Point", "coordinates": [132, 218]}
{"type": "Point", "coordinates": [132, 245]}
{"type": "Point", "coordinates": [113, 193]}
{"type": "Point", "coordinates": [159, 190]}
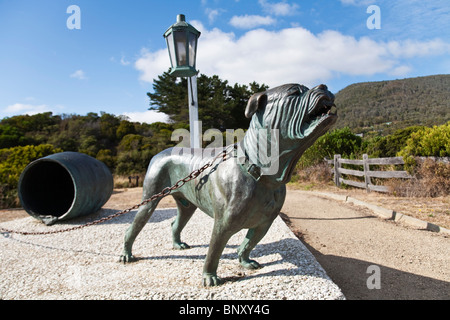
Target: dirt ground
{"type": "Point", "coordinates": [347, 240]}
{"type": "Point", "coordinates": [433, 210]}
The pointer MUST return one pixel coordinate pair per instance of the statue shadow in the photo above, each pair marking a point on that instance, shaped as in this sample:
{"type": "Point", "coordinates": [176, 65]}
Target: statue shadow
{"type": "Point", "coordinates": [260, 250]}
{"type": "Point", "coordinates": [349, 274]}
{"type": "Point", "coordinates": [159, 215]}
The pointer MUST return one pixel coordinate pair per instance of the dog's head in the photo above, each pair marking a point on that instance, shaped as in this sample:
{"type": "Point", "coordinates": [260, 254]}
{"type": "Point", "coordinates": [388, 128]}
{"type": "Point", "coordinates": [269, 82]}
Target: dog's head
{"type": "Point", "coordinates": [298, 112]}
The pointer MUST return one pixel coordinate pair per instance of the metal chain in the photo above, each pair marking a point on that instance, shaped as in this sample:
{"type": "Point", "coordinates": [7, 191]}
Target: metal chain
{"type": "Point", "coordinates": [165, 192]}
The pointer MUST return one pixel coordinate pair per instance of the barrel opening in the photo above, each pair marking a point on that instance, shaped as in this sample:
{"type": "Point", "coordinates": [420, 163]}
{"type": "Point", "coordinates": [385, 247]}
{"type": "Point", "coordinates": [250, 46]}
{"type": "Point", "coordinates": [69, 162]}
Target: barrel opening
{"type": "Point", "coordinates": [47, 189]}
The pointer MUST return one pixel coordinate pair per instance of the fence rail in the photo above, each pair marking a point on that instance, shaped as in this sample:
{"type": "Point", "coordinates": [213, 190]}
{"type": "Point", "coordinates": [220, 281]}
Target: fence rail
{"type": "Point", "coordinates": [366, 172]}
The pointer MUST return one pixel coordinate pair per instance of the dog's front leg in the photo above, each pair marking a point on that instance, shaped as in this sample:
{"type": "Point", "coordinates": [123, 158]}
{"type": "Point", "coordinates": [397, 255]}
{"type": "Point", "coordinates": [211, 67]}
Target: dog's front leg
{"type": "Point", "coordinates": [252, 238]}
{"type": "Point", "coordinates": [218, 242]}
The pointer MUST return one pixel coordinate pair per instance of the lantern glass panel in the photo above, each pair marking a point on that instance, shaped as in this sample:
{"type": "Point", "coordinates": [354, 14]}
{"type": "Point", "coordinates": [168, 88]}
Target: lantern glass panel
{"type": "Point", "coordinates": [192, 49]}
{"type": "Point", "coordinates": [180, 43]}
{"type": "Point", "coordinates": [172, 53]}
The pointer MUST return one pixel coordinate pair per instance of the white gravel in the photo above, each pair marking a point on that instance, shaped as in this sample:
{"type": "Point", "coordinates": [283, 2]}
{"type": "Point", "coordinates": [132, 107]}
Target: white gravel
{"type": "Point", "coordinates": [83, 264]}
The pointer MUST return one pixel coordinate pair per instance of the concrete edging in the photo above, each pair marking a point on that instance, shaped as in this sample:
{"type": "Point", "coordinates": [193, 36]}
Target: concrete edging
{"type": "Point", "coordinates": [387, 214]}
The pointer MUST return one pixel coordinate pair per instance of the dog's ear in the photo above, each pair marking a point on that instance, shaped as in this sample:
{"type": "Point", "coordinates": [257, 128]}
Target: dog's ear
{"type": "Point", "coordinates": [256, 101]}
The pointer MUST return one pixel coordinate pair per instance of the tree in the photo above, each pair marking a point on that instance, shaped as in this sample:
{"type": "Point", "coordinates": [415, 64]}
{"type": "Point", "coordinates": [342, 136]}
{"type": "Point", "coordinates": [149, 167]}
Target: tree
{"type": "Point", "coordinates": [171, 97]}
{"type": "Point", "coordinates": [108, 128]}
{"type": "Point", "coordinates": [106, 156]}
{"type": "Point", "coordinates": [125, 127]}
{"type": "Point", "coordinates": [17, 130]}
{"type": "Point", "coordinates": [134, 154]}
{"type": "Point", "coordinates": [389, 146]}
{"type": "Point", "coordinates": [10, 136]}
{"type": "Point", "coordinates": [221, 106]}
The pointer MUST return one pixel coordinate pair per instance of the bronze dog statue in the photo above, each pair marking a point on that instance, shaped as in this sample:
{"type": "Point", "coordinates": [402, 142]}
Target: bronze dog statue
{"type": "Point", "coordinates": [240, 193]}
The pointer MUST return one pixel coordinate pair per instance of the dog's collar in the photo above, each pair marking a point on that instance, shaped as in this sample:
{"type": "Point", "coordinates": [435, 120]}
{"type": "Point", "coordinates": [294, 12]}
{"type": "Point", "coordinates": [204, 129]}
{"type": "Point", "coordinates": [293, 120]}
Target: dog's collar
{"type": "Point", "coordinates": [251, 168]}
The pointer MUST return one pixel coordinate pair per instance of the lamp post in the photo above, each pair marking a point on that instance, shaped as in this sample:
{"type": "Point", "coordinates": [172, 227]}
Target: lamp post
{"type": "Point", "coordinates": [182, 40]}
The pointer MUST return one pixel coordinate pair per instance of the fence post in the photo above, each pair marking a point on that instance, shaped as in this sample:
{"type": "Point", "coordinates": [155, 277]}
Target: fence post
{"type": "Point", "coordinates": [337, 166]}
{"type": "Point", "coordinates": [366, 171]}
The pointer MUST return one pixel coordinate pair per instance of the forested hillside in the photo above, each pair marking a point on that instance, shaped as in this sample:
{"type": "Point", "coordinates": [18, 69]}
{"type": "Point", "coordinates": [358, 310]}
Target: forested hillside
{"type": "Point", "coordinates": [386, 106]}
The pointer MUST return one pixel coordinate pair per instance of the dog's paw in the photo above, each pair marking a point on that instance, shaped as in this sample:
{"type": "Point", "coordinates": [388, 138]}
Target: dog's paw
{"type": "Point", "coordinates": [250, 264]}
{"type": "Point", "coordinates": [211, 280]}
{"type": "Point", "coordinates": [127, 258]}
{"type": "Point", "coordinates": [180, 246]}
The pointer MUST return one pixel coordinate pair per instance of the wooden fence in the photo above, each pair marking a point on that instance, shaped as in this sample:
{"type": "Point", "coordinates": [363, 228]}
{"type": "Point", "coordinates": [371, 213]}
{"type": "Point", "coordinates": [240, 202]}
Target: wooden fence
{"type": "Point", "coordinates": [366, 173]}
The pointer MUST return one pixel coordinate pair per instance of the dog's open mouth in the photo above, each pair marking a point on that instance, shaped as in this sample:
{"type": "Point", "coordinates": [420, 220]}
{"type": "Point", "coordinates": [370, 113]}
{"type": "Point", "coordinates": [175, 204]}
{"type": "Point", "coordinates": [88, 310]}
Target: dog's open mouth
{"type": "Point", "coordinates": [324, 110]}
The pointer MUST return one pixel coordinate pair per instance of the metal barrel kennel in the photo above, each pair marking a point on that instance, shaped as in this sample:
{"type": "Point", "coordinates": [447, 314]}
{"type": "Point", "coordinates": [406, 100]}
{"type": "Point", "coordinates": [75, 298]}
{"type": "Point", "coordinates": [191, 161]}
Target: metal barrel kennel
{"type": "Point", "coordinates": [63, 186]}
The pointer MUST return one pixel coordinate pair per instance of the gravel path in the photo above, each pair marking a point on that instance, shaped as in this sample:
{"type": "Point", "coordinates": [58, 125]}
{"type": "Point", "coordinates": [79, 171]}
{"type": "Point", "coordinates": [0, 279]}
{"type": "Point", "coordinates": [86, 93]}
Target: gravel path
{"type": "Point", "coordinates": [83, 264]}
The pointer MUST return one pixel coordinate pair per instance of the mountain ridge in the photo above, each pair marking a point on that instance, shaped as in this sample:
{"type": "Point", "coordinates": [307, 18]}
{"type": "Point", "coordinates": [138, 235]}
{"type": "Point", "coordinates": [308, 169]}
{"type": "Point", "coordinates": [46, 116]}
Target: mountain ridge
{"type": "Point", "coordinates": [385, 106]}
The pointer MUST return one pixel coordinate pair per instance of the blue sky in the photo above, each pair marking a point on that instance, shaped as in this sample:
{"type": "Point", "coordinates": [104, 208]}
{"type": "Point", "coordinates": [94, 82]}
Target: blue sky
{"type": "Point", "coordinates": [109, 64]}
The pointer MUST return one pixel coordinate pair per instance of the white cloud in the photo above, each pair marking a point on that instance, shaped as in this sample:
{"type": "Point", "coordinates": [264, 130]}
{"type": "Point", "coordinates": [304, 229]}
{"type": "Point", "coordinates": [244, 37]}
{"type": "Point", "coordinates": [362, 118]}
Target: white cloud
{"type": "Point", "coordinates": [148, 116]}
{"type": "Point", "coordinates": [279, 8]}
{"type": "Point", "coordinates": [358, 2]}
{"type": "Point", "coordinates": [400, 71]}
{"type": "Point", "coordinates": [293, 55]}
{"type": "Point", "coordinates": [410, 48]}
{"type": "Point", "coordinates": [251, 21]}
{"type": "Point", "coordinates": [20, 108]}
{"type": "Point", "coordinates": [212, 14]}
{"type": "Point", "coordinates": [152, 64]}
{"type": "Point", "coordinates": [124, 62]}
{"type": "Point", "coordinates": [79, 74]}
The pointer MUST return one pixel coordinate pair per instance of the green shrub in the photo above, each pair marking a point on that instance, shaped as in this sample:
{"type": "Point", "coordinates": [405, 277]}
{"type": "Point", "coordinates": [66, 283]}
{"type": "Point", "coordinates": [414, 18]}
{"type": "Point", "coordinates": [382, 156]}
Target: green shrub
{"type": "Point", "coordinates": [340, 141]}
{"type": "Point", "coordinates": [12, 162]}
{"type": "Point", "coordinates": [428, 142]}
{"type": "Point", "coordinates": [389, 146]}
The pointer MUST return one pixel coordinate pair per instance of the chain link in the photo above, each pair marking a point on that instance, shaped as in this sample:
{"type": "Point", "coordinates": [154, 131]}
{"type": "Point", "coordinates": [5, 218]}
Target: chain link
{"type": "Point", "coordinates": [165, 192]}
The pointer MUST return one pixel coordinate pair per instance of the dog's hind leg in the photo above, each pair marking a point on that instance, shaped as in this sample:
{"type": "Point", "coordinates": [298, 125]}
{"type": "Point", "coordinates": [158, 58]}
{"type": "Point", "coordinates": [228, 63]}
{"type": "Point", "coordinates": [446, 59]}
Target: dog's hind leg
{"type": "Point", "coordinates": [143, 215]}
{"type": "Point", "coordinates": [185, 211]}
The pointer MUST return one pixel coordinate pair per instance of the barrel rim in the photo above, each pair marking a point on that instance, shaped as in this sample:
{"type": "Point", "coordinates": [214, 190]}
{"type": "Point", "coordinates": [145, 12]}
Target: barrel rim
{"type": "Point", "coordinates": [27, 208]}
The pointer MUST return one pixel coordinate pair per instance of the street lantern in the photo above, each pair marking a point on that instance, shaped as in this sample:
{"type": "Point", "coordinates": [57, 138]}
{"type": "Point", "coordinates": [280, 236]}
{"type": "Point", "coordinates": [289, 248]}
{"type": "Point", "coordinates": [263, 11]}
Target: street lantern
{"type": "Point", "coordinates": [182, 44]}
